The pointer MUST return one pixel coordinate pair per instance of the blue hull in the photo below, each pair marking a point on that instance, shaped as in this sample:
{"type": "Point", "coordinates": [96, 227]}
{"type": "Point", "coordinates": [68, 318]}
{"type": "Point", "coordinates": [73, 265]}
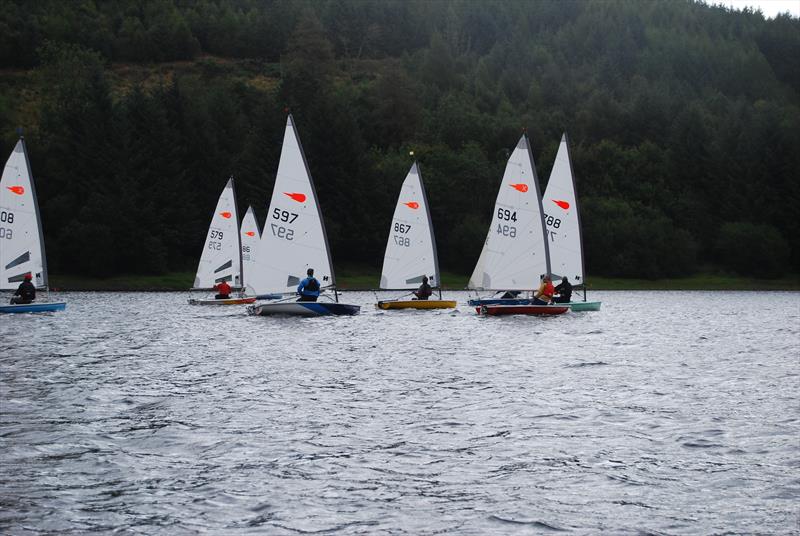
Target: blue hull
{"type": "Point", "coordinates": [304, 309]}
{"type": "Point", "coordinates": [499, 301]}
{"type": "Point", "coordinates": [34, 307]}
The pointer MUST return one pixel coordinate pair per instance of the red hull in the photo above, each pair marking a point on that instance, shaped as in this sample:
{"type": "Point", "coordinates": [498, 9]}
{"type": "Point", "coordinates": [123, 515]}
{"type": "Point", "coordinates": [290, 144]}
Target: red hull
{"type": "Point", "coordinates": [521, 310]}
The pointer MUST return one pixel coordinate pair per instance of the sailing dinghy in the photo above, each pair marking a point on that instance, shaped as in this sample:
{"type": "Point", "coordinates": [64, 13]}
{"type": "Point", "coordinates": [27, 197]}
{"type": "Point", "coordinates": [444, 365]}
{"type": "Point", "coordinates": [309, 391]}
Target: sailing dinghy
{"type": "Point", "coordinates": [250, 236]}
{"type": "Point", "coordinates": [222, 255]}
{"type": "Point", "coordinates": [522, 309]}
{"type": "Point", "coordinates": [294, 237]}
{"type": "Point", "coordinates": [515, 255]}
{"type": "Point", "coordinates": [411, 248]}
{"type": "Point", "coordinates": [563, 222]}
{"type": "Point", "coordinates": [21, 238]}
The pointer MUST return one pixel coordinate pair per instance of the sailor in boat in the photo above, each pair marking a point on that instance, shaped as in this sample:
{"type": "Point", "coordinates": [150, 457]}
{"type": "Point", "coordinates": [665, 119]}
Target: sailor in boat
{"type": "Point", "coordinates": [308, 289]}
{"type": "Point", "coordinates": [26, 292]}
{"type": "Point", "coordinates": [564, 291]}
{"type": "Point", "coordinates": [223, 291]}
{"type": "Point", "coordinates": [544, 295]}
{"type": "Point", "coordinates": [424, 291]}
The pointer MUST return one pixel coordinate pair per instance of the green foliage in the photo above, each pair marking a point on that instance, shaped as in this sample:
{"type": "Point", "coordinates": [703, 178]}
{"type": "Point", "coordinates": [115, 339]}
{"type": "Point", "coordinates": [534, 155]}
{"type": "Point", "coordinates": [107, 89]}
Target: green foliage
{"type": "Point", "coordinates": [682, 116]}
{"type": "Point", "coordinates": [753, 250]}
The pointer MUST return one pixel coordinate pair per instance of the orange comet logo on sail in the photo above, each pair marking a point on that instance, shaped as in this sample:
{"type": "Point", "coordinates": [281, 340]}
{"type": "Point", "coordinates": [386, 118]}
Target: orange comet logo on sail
{"type": "Point", "coordinates": [19, 190]}
{"type": "Point", "coordinates": [250, 233]}
{"type": "Point", "coordinates": [225, 215]}
{"type": "Point", "coordinates": [412, 204]}
{"type": "Point", "coordinates": [520, 187]}
{"type": "Point", "coordinates": [562, 204]}
{"type": "Point", "coordinates": [300, 198]}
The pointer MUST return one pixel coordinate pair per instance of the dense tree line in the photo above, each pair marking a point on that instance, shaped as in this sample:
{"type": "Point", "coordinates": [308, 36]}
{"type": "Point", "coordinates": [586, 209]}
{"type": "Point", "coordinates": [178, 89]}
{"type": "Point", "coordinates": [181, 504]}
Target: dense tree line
{"type": "Point", "coordinates": [685, 121]}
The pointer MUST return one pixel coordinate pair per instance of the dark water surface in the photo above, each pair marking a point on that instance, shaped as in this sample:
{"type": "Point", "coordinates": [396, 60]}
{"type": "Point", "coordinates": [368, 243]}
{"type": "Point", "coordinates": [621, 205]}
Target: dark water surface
{"type": "Point", "coordinates": [664, 413]}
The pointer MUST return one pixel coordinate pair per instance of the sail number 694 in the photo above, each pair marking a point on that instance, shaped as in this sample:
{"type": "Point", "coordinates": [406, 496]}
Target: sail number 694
{"type": "Point", "coordinates": [506, 230]}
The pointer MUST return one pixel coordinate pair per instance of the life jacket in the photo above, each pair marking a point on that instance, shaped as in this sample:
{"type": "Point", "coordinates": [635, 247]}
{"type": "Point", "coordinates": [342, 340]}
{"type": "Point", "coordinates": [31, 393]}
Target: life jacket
{"type": "Point", "coordinates": [548, 290]}
{"type": "Point", "coordinates": [312, 285]}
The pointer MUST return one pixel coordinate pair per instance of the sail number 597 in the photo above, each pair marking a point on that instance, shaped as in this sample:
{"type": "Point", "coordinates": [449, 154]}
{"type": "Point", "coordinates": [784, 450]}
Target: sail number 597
{"type": "Point", "coordinates": [284, 215]}
{"type": "Point", "coordinates": [282, 232]}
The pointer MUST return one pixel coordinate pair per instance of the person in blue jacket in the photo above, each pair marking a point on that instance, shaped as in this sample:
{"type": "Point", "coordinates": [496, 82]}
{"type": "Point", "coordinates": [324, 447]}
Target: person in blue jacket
{"type": "Point", "coordinates": [308, 287]}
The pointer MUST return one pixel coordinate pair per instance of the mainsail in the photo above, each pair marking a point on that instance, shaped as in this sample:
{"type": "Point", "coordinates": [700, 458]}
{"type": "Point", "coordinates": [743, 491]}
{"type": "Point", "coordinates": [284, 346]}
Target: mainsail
{"type": "Point", "coordinates": [222, 255]}
{"type": "Point", "coordinates": [21, 240]}
{"type": "Point", "coordinates": [293, 239]}
{"type": "Point", "coordinates": [411, 248]}
{"type": "Point", "coordinates": [515, 254]}
{"type": "Point", "coordinates": [562, 218]}
{"type": "Point", "coordinates": [250, 237]}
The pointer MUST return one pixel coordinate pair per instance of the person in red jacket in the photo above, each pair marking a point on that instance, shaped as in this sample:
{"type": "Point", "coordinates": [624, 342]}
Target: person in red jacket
{"type": "Point", "coordinates": [223, 290]}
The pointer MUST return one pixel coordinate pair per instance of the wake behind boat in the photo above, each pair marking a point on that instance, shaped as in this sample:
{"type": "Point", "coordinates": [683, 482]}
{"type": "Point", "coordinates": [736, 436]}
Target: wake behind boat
{"type": "Point", "coordinates": [410, 260]}
{"type": "Point", "coordinates": [294, 240]}
{"type": "Point", "coordinates": [22, 254]}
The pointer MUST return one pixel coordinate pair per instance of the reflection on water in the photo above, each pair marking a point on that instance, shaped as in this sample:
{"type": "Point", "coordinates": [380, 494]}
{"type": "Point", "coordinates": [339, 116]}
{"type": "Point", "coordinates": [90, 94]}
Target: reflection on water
{"type": "Point", "coordinates": [666, 412]}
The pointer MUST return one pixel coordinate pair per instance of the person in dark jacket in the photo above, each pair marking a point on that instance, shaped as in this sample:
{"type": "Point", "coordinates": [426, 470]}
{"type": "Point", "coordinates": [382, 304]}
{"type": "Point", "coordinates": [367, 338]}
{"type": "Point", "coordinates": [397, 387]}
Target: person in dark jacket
{"type": "Point", "coordinates": [308, 287]}
{"type": "Point", "coordinates": [26, 292]}
{"type": "Point", "coordinates": [564, 291]}
{"type": "Point", "coordinates": [424, 291]}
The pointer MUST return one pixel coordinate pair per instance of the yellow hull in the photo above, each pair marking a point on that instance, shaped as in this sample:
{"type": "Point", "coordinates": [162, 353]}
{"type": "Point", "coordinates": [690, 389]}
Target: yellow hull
{"type": "Point", "coordinates": [416, 304]}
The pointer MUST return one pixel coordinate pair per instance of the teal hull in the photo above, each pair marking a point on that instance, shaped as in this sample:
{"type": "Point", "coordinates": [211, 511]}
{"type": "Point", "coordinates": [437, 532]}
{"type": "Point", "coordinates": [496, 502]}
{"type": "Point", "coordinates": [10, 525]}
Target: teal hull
{"type": "Point", "coordinates": [585, 306]}
{"type": "Point", "coordinates": [42, 307]}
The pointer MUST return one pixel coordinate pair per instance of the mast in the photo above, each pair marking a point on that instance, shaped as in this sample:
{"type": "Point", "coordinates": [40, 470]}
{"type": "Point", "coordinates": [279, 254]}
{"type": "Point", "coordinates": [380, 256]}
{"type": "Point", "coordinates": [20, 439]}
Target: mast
{"type": "Point", "coordinates": [319, 210]}
{"type": "Point", "coordinates": [578, 213]}
{"type": "Point", "coordinates": [238, 232]}
{"type": "Point", "coordinates": [539, 200]}
{"type": "Point", "coordinates": [436, 274]}
{"type": "Point", "coordinates": [36, 208]}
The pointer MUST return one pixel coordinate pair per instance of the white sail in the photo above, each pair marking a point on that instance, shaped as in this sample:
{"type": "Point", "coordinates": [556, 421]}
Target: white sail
{"type": "Point", "coordinates": [515, 254]}
{"type": "Point", "coordinates": [560, 203]}
{"type": "Point", "coordinates": [293, 239]}
{"type": "Point", "coordinates": [221, 259]}
{"type": "Point", "coordinates": [250, 237]}
{"type": "Point", "coordinates": [21, 240]}
{"type": "Point", "coordinates": [411, 248]}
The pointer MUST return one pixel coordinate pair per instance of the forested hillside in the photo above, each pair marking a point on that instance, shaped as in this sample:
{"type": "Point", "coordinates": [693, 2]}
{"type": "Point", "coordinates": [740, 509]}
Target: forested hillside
{"type": "Point", "coordinates": [684, 120]}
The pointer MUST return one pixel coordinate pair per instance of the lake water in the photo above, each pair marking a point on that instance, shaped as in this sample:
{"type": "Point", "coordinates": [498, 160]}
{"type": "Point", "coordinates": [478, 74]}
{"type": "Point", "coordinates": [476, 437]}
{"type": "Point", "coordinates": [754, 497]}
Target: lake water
{"type": "Point", "coordinates": [664, 413]}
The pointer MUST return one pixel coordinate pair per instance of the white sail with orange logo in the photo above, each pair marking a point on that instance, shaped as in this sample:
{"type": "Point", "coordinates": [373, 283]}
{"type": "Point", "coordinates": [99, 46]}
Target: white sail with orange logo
{"type": "Point", "coordinates": [515, 254]}
{"type": "Point", "coordinates": [293, 239]}
{"type": "Point", "coordinates": [250, 236]}
{"type": "Point", "coordinates": [222, 255]}
{"type": "Point", "coordinates": [21, 240]}
{"type": "Point", "coordinates": [411, 248]}
{"type": "Point", "coordinates": [560, 204]}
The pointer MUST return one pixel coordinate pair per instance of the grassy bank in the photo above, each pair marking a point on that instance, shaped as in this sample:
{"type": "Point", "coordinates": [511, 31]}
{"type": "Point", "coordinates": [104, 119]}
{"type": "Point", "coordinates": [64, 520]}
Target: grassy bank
{"type": "Point", "coordinates": [359, 278]}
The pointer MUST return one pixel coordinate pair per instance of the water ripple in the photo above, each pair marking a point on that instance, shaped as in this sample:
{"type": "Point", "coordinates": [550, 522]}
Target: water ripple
{"type": "Point", "coordinates": [665, 413]}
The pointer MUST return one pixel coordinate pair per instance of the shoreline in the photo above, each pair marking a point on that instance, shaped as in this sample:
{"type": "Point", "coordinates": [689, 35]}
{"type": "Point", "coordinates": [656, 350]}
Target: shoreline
{"type": "Point", "coordinates": [368, 281]}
